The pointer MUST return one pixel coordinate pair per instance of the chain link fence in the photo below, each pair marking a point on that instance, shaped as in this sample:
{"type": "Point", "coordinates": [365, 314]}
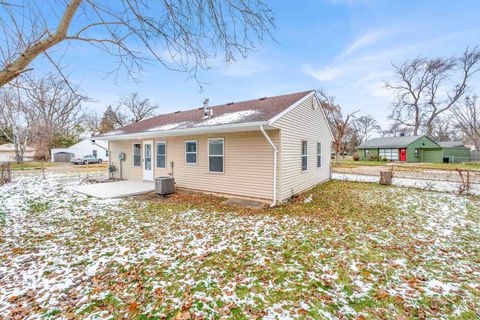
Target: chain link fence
{"type": "Point", "coordinates": [414, 171]}
{"type": "Point", "coordinates": [57, 171]}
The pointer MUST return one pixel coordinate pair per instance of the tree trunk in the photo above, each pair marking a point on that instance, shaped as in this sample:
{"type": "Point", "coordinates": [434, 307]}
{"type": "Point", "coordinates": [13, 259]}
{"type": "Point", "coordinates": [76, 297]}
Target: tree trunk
{"type": "Point", "coordinates": [18, 152]}
{"type": "Point", "coordinates": [416, 128]}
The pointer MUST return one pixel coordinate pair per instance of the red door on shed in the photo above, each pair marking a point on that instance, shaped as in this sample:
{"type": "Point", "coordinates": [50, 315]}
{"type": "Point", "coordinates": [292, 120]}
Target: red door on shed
{"type": "Point", "coordinates": [403, 154]}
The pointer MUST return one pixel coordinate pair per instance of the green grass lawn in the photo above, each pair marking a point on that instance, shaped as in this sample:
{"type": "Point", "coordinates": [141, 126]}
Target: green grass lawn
{"type": "Point", "coordinates": [355, 251]}
{"type": "Point", "coordinates": [441, 166]}
{"type": "Point", "coordinates": [359, 163]}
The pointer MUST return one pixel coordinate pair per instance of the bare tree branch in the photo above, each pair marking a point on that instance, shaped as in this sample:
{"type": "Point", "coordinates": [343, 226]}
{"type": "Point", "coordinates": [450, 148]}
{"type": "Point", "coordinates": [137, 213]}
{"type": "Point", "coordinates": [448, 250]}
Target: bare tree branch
{"type": "Point", "coordinates": [467, 115]}
{"type": "Point", "coordinates": [339, 123]}
{"type": "Point", "coordinates": [426, 88]}
{"type": "Point", "coordinates": [139, 108]}
{"type": "Point", "coordinates": [180, 35]}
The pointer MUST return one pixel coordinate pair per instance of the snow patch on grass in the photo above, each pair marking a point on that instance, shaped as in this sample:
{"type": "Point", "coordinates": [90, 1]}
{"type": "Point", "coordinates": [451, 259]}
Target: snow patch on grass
{"type": "Point", "coordinates": [68, 254]}
{"type": "Point", "coordinates": [432, 185]}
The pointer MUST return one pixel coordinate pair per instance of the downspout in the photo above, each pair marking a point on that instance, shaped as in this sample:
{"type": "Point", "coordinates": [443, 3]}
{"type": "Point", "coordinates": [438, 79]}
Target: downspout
{"type": "Point", "coordinates": [96, 144]}
{"type": "Point", "coordinates": [275, 151]}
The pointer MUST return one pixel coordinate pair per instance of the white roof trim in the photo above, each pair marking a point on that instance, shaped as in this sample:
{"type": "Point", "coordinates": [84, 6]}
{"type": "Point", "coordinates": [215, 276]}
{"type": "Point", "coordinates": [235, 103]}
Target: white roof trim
{"type": "Point", "coordinates": [293, 106]}
{"type": "Point", "coordinates": [296, 104]}
{"type": "Point", "coordinates": [237, 127]}
{"type": "Point", "coordinates": [324, 115]}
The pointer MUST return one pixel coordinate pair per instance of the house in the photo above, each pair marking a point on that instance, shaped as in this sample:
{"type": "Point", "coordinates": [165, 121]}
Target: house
{"type": "Point", "coordinates": [7, 153]}
{"type": "Point", "coordinates": [413, 149]}
{"type": "Point", "coordinates": [269, 148]}
{"type": "Point", "coordinates": [85, 147]}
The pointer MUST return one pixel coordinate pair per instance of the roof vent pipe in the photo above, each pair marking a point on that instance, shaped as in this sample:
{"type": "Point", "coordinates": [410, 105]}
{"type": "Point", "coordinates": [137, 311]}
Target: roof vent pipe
{"type": "Point", "coordinates": [206, 113]}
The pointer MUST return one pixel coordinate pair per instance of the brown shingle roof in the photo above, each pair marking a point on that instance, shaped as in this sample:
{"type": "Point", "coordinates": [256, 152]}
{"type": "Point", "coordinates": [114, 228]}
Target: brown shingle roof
{"type": "Point", "coordinates": [262, 109]}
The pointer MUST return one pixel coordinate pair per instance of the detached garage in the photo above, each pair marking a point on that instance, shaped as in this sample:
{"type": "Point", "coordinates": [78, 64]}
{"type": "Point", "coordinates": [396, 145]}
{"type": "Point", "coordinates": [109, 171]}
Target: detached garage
{"type": "Point", "coordinates": [62, 156]}
{"type": "Point", "coordinates": [98, 149]}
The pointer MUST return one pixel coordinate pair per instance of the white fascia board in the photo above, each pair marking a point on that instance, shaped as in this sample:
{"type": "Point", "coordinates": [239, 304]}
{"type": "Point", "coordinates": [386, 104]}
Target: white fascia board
{"type": "Point", "coordinates": [293, 106]}
{"type": "Point", "coordinates": [296, 104]}
{"type": "Point", "coordinates": [324, 115]}
{"type": "Point", "coordinates": [237, 127]}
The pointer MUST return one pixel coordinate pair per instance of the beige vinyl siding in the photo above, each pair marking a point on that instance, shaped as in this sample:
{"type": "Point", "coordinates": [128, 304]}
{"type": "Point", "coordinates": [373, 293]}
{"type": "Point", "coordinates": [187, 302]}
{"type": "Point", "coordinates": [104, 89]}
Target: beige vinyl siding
{"type": "Point", "coordinates": [129, 171]}
{"type": "Point", "coordinates": [303, 123]}
{"type": "Point", "coordinates": [248, 163]}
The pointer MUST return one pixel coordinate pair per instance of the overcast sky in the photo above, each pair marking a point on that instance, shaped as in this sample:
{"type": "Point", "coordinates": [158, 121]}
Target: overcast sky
{"type": "Point", "coordinates": [344, 46]}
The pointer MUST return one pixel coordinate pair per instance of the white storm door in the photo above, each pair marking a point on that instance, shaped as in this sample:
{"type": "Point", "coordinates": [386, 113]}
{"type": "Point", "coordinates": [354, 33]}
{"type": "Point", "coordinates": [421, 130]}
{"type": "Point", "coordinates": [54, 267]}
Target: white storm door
{"type": "Point", "coordinates": [148, 160]}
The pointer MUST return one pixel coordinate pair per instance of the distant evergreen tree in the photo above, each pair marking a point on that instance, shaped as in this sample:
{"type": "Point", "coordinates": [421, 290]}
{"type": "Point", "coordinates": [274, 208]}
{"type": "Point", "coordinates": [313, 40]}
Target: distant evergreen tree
{"type": "Point", "coordinates": [108, 122]}
{"type": "Point", "coordinates": [3, 137]}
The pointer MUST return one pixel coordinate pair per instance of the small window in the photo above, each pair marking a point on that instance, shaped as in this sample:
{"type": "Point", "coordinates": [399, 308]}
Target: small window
{"type": "Point", "coordinates": [137, 154]}
{"type": "Point", "coordinates": [304, 156]}
{"type": "Point", "coordinates": [191, 152]}
{"type": "Point", "coordinates": [367, 152]}
{"type": "Point", "coordinates": [215, 155]}
{"type": "Point", "coordinates": [319, 154]}
{"type": "Point", "coordinates": [417, 153]}
{"type": "Point", "coordinates": [94, 152]}
{"type": "Point", "coordinates": [161, 154]}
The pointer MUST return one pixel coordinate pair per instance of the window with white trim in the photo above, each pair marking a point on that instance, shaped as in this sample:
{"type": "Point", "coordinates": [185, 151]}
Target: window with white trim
{"type": "Point", "coordinates": [161, 154]}
{"type": "Point", "coordinates": [191, 152]}
{"type": "Point", "coordinates": [304, 156]}
{"type": "Point", "coordinates": [319, 154]}
{"type": "Point", "coordinates": [137, 155]}
{"type": "Point", "coordinates": [215, 155]}
{"type": "Point", "coordinates": [390, 154]}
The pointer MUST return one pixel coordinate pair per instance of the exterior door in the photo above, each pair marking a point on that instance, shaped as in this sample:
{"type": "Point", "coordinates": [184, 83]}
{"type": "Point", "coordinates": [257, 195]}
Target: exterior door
{"type": "Point", "coordinates": [147, 160]}
{"type": "Point", "coordinates": [403, 154]}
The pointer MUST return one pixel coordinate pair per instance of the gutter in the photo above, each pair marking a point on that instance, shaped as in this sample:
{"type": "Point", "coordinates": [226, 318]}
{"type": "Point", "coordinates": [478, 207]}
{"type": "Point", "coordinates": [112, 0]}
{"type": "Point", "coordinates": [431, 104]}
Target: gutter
{"type": "Point", "coordinates": [236, 127]}
{"type": "Point", "coordinates": [275, 151]}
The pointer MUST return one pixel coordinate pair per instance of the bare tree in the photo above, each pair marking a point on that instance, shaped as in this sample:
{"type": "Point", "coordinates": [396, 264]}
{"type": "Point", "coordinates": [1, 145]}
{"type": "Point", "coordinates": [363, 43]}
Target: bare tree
{"type": "Point", "coordinates": [139, 108]}
{"type": "Point", "coordinates": [111, 119]}
{"type": "Point", "coordinates": [54, 107]}
{"type": "Point", "coordinates": [15, 123]}
{"type": "Point", "coordinates": [181, 35]}
{"type": "Point", "coordinates": [396, 129]}
{"type": "Point", "coordinates": [443, 129]}
{"type": "Point", "coordinates": [130, 109]}
{"type": "Point", "coordinates": [92, 123]}
{"type": "Point", "coordinates": [337, 121]}
{"type": "Point", "coordinates": [364, 126]}
{"type": "Point", "coordinates": [426, 88]}
{"type": "Point", "coordinates": [467, 115]}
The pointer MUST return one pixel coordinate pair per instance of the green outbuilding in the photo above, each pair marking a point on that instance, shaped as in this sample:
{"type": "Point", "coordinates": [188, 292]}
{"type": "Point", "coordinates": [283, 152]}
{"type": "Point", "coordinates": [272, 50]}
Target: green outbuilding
{"type": "Point", "coordinates": [413, 149]}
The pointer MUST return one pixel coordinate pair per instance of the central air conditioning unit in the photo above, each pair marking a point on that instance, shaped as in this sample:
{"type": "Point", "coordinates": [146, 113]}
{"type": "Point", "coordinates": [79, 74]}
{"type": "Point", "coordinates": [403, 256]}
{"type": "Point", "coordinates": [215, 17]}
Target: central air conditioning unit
{"type": "Point", "coordinates": [164, 185]}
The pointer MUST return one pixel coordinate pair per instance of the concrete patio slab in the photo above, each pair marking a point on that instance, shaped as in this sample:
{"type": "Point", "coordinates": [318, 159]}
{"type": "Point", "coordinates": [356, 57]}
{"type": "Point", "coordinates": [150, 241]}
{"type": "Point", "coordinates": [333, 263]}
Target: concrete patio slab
{"type": "Point", "coordinates": [116, 189]}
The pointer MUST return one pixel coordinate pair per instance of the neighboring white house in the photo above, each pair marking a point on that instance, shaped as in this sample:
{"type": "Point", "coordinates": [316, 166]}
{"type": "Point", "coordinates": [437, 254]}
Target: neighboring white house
{"type": "Point", "coordinates": [80, 149]}
{"type": "Point", "coordinates": [7, 153]}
